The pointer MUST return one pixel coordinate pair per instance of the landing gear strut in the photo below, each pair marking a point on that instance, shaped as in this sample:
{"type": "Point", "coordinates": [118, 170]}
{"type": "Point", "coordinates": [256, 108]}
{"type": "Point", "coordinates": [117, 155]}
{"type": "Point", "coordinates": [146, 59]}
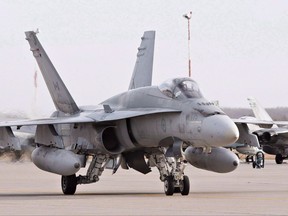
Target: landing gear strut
{"type": "Point", "coordinates": [172, 174]}
{"type": "Point", "coordinates": [69, 183]}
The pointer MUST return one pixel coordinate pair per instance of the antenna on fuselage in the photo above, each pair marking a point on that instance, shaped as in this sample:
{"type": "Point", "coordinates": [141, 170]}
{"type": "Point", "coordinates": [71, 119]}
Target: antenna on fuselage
{"type": "Point", "coordinates": [188, 16]}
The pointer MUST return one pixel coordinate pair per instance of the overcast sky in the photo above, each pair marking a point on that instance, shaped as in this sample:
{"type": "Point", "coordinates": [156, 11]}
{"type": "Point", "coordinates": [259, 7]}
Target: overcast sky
{"type": "Point", "coordinates": [238, 48]}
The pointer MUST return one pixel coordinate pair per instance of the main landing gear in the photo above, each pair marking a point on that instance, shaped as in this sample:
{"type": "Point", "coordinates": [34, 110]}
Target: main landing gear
{"type": "Point", "coordinates": [171, 171]}
{"type": "Point", "coordinates": [69, 183]}
{"type": "Point", "coordinates": [172, 174]}
{"type": "Point", "coordinates": [279, 158]}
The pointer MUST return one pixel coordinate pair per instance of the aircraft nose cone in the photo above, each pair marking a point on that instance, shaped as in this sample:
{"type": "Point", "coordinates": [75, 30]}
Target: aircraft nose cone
{"type": "Point", "coordinates": [219, 130]}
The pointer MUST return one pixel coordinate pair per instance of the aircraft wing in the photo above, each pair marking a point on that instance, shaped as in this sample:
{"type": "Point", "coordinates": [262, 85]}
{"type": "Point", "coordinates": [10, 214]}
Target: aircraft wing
{"type": "Point", "coordinates": [281, 131]}
{"type": "Point", "coordinates": [253, 121]}
{"type": "Point", "coordinates": [95, 116]}
{"type": "Point", "coordinates": [281, 123]}
{"type": "Point", "coordinates": [260, 122]}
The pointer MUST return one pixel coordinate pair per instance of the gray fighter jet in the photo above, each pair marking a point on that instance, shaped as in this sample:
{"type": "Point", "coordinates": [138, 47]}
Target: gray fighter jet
{"type": "Point", "coordinates": [260, 133]}
{"type": "Point", "coordinates": [147, 126]}
{"type": "Point", "coordinates": [274, 140]}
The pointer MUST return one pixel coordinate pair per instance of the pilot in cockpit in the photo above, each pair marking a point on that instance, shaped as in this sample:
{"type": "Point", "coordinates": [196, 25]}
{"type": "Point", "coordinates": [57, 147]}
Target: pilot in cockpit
{"type": "Point", "coordinates": [186, 91]}
{"type": "Point", "coordinates": [181, 89]}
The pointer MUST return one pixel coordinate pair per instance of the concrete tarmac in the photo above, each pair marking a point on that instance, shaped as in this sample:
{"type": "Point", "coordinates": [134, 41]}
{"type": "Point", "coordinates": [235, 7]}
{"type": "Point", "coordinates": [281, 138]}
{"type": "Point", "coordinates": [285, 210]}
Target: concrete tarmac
{"type": "Point", "coordinates": [26, 190]}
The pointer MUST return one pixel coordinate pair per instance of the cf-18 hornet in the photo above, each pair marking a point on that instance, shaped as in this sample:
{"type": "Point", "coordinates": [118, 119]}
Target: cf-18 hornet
{"type": "Point", "coordinates": [261, 132]}
{"type": "Point", "coordinates": [274, 139]}
{"type": "Point", "coordinates": [147, 126]}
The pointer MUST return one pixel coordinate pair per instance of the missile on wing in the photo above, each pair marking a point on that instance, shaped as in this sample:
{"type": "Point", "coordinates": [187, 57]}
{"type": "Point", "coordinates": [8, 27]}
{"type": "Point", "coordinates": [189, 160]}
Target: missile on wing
{"type": "Point", "coordinates": [59, 161]}
{"type": "Point", "coordinates": [218, 159]}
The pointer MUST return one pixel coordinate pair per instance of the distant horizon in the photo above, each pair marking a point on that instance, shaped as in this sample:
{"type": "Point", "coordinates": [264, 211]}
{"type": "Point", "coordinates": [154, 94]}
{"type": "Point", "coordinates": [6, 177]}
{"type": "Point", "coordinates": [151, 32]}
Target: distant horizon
{"type": "Point", "coordinates": [22, 114]}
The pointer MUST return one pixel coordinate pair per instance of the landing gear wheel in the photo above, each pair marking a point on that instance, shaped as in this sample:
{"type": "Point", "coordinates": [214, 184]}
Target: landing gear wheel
{"type": "Point", "coordinates": [249, 159]}
{"type": "Point", "coordinates": [177, 190]}
{"type": "Point", "coordinates": [279, 159]}
{"type": "Point", "coordinates": [185, 187]}
{"type": "Point", "coordinates": [69, 184]}
{"type": "Point", "coordinates": [169, 185]}
{"type": "Point", "coordinates": [259, 160]}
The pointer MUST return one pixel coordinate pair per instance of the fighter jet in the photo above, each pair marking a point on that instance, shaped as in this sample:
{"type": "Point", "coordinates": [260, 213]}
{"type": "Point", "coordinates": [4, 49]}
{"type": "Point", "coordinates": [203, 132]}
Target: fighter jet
{"type": "Point", "coordinates": [147, 126]}
{"type": "Point", "coordinates": [262, 133]}
{"type": "Point", "coordinates": [248, 144]}
{"type": "Point", "coordinates": [274, 140]}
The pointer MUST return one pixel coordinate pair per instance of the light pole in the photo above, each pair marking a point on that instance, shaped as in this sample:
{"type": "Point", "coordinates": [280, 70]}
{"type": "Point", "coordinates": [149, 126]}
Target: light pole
{"type": "Point", "coordinates": [188, 17]}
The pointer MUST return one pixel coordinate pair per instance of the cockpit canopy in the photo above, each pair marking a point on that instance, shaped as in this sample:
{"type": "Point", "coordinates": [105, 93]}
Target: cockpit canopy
{"type": "Point", "coordinates": [180, 88]}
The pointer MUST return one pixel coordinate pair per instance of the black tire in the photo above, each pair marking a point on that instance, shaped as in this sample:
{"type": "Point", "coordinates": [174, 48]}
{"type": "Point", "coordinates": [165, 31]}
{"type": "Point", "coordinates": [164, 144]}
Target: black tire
{"type": "Point", "coordinates": [279, 159]}
{"type": "Point", "coordinates": [177, 190]}
{"type": "Point", "coordinates": [169, 185]}
{"type": "Point", "coordinates": [263, 164]}
{"type": "Point", "coordinates": [69, 184]}
{"type": "Point", "coordinates": [249, 159]}
{"type": "Point", "coordinates": [184, 190]}
{"type": "Point", "coordinates": [260, 158]}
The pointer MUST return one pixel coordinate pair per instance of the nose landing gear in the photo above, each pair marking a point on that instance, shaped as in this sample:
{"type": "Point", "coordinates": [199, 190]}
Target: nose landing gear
{"type": "Point", "coordinates": [259, 160]}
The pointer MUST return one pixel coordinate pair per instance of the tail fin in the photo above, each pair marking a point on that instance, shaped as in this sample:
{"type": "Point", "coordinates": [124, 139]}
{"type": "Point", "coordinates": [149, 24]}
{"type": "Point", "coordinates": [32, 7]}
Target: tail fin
{"type": "Point", "coordinates": [142, 74]}
{"type": "Point", "coordinates": [259, 112]}
{"type": "Point", "coordinates": [61, 97]}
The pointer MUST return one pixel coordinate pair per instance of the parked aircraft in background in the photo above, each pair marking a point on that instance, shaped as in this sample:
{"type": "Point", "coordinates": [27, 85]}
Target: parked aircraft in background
{"type": "Point", "coordinates": [274, 139]}
{"type": "Point", "coordinates": [162, 126]}
{"type": "Point", "coordinates": [248, 144]}
{"type": "Point", "coordinates": [253, 154]}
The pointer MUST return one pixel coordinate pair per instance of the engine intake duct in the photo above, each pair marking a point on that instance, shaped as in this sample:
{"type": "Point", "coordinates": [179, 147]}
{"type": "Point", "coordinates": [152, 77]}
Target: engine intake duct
{"type": "Point", "coordinates": [110, 140]}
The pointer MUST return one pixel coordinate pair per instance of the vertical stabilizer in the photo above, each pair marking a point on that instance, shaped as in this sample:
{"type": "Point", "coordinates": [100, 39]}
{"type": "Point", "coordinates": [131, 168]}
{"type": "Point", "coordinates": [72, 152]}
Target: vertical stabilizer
{"type": "Point", "coordinates": [142, 74]}
{"type": "Point", "coordinates": [58, 91]}
{"type": "Point", "coordinates": [259, 112]}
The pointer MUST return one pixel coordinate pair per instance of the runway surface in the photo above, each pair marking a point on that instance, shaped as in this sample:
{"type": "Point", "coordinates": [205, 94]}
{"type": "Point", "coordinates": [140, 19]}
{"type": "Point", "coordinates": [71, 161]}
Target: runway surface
{"type": "Point", "coordinates": [26, 190]}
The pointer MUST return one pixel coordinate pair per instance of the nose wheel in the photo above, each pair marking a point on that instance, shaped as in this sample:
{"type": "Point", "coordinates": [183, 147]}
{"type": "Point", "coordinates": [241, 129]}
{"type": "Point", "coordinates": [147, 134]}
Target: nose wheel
{"type": "Point", "coordinates": [259, 160]}
{"type": "Point", "coordinates": [185, 186]}
{"type": "Point", "coordinates": [172, 186]}
{"type": "Point", "coordinates": [169, 185]}
{"type": "Point", "coordinates": [171, 168]}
